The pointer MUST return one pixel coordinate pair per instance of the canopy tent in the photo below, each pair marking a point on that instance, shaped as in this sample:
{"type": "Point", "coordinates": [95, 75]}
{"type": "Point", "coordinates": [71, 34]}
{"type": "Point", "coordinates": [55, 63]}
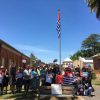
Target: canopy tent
{"type": "Point", "coordinates": [67, 60]}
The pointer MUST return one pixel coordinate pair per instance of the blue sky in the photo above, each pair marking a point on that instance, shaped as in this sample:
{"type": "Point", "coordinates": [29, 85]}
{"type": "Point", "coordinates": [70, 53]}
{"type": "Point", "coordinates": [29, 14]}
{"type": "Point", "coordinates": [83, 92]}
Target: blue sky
{"type": "Point", "coordinates": [30, 26]}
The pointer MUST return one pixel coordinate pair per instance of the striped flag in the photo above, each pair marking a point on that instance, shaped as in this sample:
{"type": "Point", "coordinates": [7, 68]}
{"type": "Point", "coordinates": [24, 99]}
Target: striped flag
{"type": "Point", "coordinates": [68, 81]}
{"type": "Point", "coordinates": [58, 28]}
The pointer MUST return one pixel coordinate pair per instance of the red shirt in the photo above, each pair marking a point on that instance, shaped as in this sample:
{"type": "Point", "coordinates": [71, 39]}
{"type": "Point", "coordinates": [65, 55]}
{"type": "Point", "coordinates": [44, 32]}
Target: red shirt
{"type": "Point", "coordinates": [68, 74]}
{"type": "Point", "coordinates": [59, 79]}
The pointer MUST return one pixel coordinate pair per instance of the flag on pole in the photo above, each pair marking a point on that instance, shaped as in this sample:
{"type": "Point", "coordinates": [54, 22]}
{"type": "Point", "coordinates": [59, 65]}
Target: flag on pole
{"type": "Point", "coordinates": [58, 28]}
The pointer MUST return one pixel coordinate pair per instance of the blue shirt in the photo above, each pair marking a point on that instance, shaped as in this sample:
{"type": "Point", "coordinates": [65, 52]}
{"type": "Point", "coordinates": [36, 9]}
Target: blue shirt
{"type": "Point", "coordinates": [34, 73]}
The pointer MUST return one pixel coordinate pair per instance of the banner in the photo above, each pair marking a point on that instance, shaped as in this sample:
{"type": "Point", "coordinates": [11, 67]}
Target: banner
{"type": "Point", "coordinates": [56, 89]}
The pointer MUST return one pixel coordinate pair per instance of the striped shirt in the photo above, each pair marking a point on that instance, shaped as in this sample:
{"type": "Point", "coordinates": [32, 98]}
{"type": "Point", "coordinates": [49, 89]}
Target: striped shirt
{"type": "Point", "coordinates": [68, 80]}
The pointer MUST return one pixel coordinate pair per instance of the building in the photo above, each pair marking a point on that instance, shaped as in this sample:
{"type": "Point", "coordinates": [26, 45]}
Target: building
{"type": "Point", "coordinates": [83, 61]}
{"type": "Point", "coordinates": [10, 56]}
{"type": "Point", "coordinates": [96, 61]}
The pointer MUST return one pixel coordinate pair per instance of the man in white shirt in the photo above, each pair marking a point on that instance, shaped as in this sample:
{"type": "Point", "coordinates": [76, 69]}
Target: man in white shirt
{"type": "Point", "coordinates": [27, 76]}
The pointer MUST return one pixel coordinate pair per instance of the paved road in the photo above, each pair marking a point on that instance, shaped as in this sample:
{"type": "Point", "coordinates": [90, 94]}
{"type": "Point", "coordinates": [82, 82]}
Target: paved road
{"type": "Point", "coordinates": [96, 94]}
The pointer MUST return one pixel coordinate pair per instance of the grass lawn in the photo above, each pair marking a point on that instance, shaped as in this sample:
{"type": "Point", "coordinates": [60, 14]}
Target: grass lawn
{"type": "Point", "coordinates": [19, 96]}
{"type": "Point", "coordinates": [96, 82]}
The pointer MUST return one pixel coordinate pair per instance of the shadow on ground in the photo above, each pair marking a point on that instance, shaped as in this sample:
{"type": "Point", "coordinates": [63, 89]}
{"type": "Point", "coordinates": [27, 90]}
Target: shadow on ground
{"type": "Point", "coordinates": [31, 96]}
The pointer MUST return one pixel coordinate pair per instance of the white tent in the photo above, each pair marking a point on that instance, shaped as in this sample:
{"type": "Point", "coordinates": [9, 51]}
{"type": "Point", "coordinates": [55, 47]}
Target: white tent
{"type": "Point", "coordinates": [67, 60]}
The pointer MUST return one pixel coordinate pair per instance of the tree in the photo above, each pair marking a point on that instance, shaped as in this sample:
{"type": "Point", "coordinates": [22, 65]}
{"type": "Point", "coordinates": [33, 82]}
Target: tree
{"type": "Point", "coordinates": [94, 6]}
{"type": "Point", "coordinates": [76, 55]}
{"type": "Point", "coordinates": [91, 45]}
{"type": "Point", "coordinates": [32, 59]}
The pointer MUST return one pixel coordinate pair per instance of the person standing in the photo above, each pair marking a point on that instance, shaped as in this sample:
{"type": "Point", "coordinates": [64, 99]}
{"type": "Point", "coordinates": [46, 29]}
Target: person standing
{"type": "Point", "coordinates": [5, 79]}
{"type": "Point", "coordinates": [34, 79]}
{"type": "Point", "coordinates": [43, 75]}
{"type": "Point", "coordinates": [48, 78]}
{"type": "Point", "coordinates": [1, 82]}
{"type": "Point", "coordinates": [13, 78]}
{"type": "Point", "coordinates": [55, 72]}
{"type": "Point", "coordinates": [59, 78]}
{"type": "Point", "coordinates": [19, 80]}
{"type": "Point", "coordinates": [27, 76]}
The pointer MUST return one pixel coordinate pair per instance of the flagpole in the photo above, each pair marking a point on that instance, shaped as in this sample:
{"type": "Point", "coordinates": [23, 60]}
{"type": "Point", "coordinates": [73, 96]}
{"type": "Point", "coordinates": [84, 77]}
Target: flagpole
{"type": "Point", "coordinates": [59, 18]}
{"type": "Point", "coordinates": [59, 38]}
{"type": "Point", "coordinates": [60, 53]}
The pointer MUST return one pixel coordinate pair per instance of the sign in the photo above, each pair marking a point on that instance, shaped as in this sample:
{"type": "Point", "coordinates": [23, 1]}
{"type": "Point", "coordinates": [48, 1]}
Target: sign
{"type": "Point", "coordinates": [88, 65]}
{"type": "Point", "coordinates": [23, 61]}
{"type": "Point", "coordinates": [85, 74]}
{"type": "Point", "coordinates": [56, 89]}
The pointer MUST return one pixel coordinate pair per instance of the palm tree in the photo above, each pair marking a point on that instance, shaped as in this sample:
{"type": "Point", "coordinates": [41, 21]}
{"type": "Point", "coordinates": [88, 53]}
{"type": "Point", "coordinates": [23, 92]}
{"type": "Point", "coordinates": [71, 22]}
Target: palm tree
{"type": "Point", "coordinates": [94, 6]}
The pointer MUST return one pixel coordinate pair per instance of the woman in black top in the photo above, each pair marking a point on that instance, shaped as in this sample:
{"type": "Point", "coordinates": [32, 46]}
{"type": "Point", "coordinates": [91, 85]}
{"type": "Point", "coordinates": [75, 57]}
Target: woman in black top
{"type": "Point", "coordinates": [5, 79]}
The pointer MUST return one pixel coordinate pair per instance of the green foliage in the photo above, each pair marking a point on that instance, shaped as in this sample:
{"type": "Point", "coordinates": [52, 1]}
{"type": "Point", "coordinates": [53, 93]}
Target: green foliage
{"type": "Point", "coordinates": [32, 59]}
{"type": "Point", "coordinates": [94, 6]}
{"type": "Point", "coordinates": [76, 55]}
{"type": "Point", "coordinates": [91, 44]}
{"type": "Point", "coordinates": [93, 75]}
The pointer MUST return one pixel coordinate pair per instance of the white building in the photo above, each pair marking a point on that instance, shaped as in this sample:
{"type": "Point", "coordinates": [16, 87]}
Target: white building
{"type": "Point", "coordinates": [82, 61]}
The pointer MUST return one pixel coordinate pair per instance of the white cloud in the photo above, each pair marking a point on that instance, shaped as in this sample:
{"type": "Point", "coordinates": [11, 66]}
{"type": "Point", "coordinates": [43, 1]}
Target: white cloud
{"type": "Point", "coordinates": [42, 53]}
{"type": "Point", "coordinates": [34, 49]}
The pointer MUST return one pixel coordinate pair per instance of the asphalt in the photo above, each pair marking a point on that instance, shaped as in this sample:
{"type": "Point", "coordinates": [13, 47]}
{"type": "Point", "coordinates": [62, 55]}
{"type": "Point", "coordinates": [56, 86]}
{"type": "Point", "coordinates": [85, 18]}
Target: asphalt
{"type": "Point", "coordinates": [95, 94]}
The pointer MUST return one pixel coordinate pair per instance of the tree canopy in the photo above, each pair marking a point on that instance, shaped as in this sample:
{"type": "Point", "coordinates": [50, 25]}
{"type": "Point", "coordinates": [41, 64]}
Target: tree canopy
{"type": "Point", "coordinates": [92, 43]}
{"type": "Point", "coordinates": [90, 46]}
{"type": "Point", "coordinates": [76, 55]}
{"type": "Point", "coordinates": [32, 59]}
{"type": "Point", "coordinates": [94, 6]}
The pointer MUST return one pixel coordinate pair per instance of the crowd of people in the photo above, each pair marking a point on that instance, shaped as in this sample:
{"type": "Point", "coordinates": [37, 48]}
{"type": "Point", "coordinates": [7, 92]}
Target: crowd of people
{"type": "Point", "coordinates": [33, 77]}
